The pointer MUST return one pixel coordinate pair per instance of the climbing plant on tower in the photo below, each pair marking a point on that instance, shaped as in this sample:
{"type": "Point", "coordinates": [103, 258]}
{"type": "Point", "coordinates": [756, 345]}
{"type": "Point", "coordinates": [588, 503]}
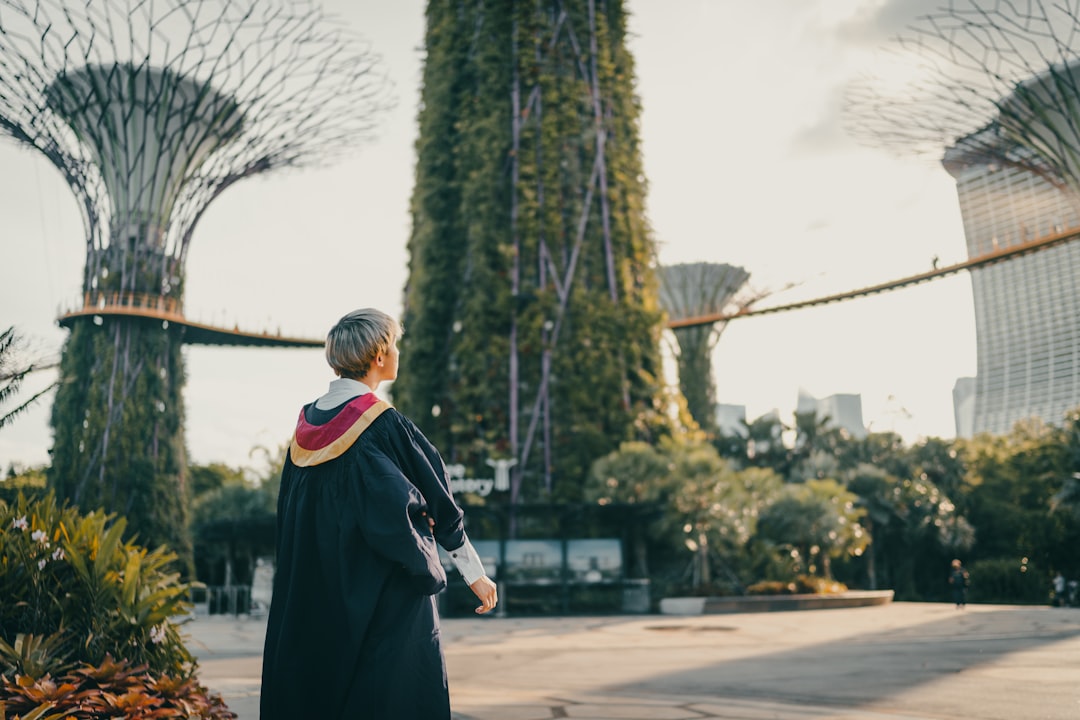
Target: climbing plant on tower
{"type": "Point", "coordinates": [531, 311]}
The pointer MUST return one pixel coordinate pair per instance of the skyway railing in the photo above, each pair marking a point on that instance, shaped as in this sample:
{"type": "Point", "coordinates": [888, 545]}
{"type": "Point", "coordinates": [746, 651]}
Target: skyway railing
{"type": "Point", "coordinates": [170, 310]}
{"type": "Point", "coordinates": [996, 256]}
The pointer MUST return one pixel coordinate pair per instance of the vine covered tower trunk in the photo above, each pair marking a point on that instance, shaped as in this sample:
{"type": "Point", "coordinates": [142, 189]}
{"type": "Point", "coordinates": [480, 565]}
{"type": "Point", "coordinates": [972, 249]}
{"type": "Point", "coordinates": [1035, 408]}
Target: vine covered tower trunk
{"type": "Point", "coordinates": [125, 379]}
{"type": "Point", "coordinates": [531, 312]}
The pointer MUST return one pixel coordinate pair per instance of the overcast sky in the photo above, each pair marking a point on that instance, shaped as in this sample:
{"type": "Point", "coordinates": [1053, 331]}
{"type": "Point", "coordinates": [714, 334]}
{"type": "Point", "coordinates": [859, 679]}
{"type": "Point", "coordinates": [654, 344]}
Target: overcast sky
{"type": "Point", "coordinates": [747, 163]}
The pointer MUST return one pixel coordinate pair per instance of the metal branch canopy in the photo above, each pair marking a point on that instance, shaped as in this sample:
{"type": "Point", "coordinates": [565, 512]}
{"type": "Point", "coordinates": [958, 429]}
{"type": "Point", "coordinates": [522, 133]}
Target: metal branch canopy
{"type": "Point", "coordinates": [1001, 78]}
{"type": "Point", "coordinates": [151, 110]}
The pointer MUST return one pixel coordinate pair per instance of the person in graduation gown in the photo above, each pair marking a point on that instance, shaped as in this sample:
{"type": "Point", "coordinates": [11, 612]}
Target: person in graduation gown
{"type": "Point", "coordinates": [353, 627]}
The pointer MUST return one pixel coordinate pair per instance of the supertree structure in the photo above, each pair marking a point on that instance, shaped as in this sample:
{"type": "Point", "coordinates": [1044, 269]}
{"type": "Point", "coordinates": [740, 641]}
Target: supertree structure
{"type": "Point", "coordinates": [532, 324]}
{"type": "Point", "coordinates": [150, 109]}
{"type": "Point", "coordinates": [993, 90]}
{"type": "Point", "coordinates": [998, 78]}
{"type": "Point", "coordinates": [692, 290]}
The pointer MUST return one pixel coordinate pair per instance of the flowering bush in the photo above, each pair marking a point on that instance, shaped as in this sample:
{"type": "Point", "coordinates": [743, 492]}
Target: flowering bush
{"type": "Point", "coordinates": [801, 585]}
{"type": "Point", "coordinates": [77, 594]}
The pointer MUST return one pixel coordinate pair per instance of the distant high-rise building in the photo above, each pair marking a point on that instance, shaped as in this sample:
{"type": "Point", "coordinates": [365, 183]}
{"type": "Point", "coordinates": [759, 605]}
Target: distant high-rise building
{"type": "Point", "coordinates": [844, 410]}
{"type": "Point", "coordinates": [1027, 310]}
{"type": "Point", "coordinates": [731, 419]}
{"type": "Point", "coordinates": [806, 402]}
{"type": "Point", "coordinates": [999, 83]}
{"type": "Point", "coordinates": [963, 397]}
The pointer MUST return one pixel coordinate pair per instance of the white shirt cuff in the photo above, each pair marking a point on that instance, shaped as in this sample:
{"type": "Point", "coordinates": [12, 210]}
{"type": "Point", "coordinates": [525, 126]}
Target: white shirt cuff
{"type": "Point", "coordinates": [467, 562]}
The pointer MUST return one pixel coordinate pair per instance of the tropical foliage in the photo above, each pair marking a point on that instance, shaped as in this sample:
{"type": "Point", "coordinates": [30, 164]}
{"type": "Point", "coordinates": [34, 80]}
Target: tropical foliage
{"type": "Point", "coordinates": [13, 373]}
{"type": "Point", "coordinates": [19, 479]}
{"type": "Point", "coordinates": [1008, 505]}
{"type": "Point", "coordinates": [233, 519]}
{"type": "Point", "coordinates": [761, 509]}
{"type": "Point", "coordinates": [88, 623]}
{"type": "Point", "coordinates": [801, 585]}
{"type": "Point", "coordinates": [702, 537]}
{"type": "Point", "coordinates": [814, 522]}
{"type": "Point", "coordinates": [111, 689]}
{"type": "Point", "coordinates": [86, 591]}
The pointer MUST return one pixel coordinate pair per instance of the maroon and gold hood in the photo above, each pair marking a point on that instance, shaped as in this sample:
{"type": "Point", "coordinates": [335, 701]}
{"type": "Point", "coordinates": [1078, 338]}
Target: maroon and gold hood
{"type": "Point", "coordinates": [316, 444]}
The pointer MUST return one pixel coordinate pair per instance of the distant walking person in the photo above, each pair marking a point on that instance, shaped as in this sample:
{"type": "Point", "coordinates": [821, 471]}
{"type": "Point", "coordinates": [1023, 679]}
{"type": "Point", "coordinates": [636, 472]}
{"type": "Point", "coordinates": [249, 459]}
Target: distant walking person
{"type": "Point", "coordinates": [353, 629]}
{"type": "Point", "coordinates": [959, 579]}
{"type": "Point", "coordinates": [1060, 596]}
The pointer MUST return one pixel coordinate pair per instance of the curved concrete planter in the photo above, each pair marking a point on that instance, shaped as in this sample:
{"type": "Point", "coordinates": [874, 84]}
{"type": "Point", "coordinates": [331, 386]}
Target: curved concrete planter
{"type": "Point", "coordinates": [772, 603]}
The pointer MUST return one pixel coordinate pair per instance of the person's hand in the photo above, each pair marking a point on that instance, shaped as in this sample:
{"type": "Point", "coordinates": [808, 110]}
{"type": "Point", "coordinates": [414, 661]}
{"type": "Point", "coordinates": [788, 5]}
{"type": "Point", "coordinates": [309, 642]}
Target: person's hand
{"type": "Point", "coordinates": [488, 594]}
{"type": "Point", "coordinates": [430, 520]}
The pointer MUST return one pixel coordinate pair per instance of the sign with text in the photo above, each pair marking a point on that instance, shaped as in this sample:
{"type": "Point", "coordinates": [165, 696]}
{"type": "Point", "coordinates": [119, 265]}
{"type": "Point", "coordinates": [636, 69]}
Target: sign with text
{"type": "Point", "coordinates": [481, 486]}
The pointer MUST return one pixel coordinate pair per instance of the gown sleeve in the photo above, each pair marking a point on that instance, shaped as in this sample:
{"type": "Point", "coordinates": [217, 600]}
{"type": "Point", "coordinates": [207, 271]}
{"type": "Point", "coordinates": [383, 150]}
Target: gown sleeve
{"type": "Point", "coordinates": [394, 525]}
{"type": "Point", "coordinates": [424, 467]}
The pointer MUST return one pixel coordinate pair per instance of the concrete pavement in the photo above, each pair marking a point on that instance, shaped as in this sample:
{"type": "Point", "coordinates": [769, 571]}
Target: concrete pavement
{"type": "Point", "coordinates": [903, 661]}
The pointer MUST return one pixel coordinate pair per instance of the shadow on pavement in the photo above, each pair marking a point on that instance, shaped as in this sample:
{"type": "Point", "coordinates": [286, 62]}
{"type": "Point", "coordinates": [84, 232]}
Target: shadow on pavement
{"type": "Point", "coordinates": [946, 659]}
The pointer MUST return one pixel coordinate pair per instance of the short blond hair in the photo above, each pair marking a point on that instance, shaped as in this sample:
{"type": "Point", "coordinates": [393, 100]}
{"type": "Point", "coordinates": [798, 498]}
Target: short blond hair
{"type": "Point", "coordinates": [357, 339]}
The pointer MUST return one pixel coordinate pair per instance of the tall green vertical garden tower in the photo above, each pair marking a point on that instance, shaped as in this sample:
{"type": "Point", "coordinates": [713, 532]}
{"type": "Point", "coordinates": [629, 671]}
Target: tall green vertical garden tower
{"type": "Point", "coordinates": [531, 312]}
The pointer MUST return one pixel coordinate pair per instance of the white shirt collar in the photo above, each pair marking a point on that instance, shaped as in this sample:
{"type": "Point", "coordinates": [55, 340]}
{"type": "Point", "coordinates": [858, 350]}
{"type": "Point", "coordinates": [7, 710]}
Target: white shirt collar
{"type": "Point", "coordinates": [341, 390]}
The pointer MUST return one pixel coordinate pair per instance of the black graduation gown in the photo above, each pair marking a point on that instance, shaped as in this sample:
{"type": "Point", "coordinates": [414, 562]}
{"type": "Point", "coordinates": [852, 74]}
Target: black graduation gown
{"type": "Point", "coordinates": [353, 629]}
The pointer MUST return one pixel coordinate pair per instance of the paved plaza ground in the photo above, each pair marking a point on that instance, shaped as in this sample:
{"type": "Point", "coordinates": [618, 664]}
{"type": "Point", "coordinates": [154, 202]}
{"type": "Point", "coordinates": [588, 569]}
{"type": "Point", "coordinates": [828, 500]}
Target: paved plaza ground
{"type": "Point", "coordinates": [903, 661]}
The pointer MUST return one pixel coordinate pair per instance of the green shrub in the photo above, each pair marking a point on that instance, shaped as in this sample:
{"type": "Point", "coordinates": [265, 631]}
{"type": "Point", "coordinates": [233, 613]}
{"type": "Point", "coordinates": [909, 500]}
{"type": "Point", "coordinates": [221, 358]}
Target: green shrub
{"type": "Point", "coordinates": [1007, 580]}
{"type": "Point", "coordinates": [28, 481]}
{"type": "Point", "coordinates": [76, 592]}
{"type": "Point", "coordinates": [801, 585]}
{"type": "Point", "coordinates": [813, 585]}
{"type": "Point", "coordinates": [771, 587]}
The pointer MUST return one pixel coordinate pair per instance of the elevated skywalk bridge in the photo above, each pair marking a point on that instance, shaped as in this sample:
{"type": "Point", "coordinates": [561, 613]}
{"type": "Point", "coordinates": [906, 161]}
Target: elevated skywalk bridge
{"type": "Point", "coordinates": [169, 310]}
{"type": "Point", "coordinates": [195, 333]}
{"type": "Point", "coordinates": [1058, 237]}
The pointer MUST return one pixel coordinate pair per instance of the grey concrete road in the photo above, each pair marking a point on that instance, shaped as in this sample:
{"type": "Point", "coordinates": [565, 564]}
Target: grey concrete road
{"type": "Point", "coordinates": [904, 661]}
